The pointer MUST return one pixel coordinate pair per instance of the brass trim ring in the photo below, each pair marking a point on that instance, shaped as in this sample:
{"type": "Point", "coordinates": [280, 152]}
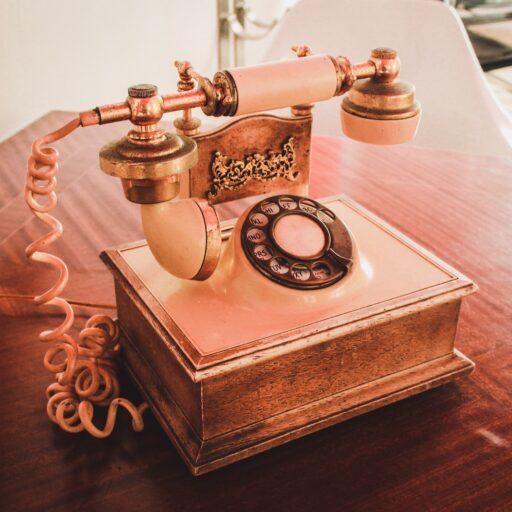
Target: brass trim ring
{"type": "Point", "coordinates": [213, 240]}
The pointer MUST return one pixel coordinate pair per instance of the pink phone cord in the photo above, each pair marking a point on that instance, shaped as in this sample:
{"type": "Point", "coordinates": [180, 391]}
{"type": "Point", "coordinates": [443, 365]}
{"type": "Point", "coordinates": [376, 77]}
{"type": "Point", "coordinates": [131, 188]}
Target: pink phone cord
{"type": "Point", "coordinates": [85, 370]}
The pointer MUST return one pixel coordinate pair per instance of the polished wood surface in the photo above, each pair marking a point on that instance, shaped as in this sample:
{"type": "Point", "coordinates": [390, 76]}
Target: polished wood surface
{"type": "Point", "coordinates": [447, 449]}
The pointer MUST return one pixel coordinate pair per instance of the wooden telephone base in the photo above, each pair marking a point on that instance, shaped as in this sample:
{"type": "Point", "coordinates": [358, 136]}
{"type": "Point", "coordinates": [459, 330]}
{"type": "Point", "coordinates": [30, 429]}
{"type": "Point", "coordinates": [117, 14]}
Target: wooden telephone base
{"type": "Point", "coordinates": [225, 391]}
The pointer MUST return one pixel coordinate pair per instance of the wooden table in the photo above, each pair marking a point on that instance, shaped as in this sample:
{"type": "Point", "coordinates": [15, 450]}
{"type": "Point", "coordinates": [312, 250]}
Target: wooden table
{"type": "Point", "coordinates": [447, 449]}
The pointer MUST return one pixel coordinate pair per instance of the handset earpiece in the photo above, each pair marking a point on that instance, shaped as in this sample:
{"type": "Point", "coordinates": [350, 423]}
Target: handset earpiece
{"type": "Point", "coordinates": [183, 236]}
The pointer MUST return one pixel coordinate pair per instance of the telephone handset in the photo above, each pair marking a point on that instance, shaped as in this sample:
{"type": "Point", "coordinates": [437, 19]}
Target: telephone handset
{"type": "Point", "coordinates": [291, 240]}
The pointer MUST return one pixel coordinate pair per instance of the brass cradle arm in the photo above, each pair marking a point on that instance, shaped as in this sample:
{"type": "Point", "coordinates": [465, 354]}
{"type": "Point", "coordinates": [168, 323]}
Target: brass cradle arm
{"type": "Point", "coordinates": [220, 96]}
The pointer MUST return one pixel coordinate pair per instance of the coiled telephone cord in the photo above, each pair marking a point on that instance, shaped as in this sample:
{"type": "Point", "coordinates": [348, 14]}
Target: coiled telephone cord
{"type": "Point", "coordinates": [85, 369]}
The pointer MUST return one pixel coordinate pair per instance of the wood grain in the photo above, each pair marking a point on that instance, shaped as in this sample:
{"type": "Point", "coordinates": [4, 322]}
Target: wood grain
{"type": "Point", "coordinates": [446, 450]}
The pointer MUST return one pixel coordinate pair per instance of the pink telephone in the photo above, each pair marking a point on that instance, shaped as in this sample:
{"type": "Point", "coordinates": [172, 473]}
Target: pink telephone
{"type": "Point", "coordinates": [208, 313]}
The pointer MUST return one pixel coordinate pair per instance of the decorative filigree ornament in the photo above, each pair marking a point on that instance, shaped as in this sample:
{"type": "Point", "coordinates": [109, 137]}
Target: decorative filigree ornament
{"type": "Point", "coordinates": [233, 174]}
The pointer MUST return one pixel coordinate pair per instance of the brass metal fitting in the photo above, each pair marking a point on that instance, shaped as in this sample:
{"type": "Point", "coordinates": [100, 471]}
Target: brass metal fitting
{"type": "Point", "coordinates": [304, 109]}
{"type": "Point", "coordinates": [387, 64]}
{"type": "Point", "coordinates": [222, 95]}
{"type": "Point", "coordinates": [148, 159]}
{"type": "Point", "coordinates": [145, 104]}
{"type": "Point", "coordinates": [374, 91]}
{"type": "Point", "coordinates": [186, 125]}
{"type": "Point", "coordinates": [172, 155]}
{"type": "Point", "coordinates": [151, 191]}
{"type": "Point", "coordinates": [345, 76]}
{"type": "Point", "coordinates": [383, 101]}
{"type": "Point", "coordinates": [382, 97]}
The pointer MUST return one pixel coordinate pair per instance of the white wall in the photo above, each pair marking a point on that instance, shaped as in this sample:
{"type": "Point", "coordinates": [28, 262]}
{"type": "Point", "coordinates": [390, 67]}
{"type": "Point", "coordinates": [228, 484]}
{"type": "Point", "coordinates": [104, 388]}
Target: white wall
{"type": "Point", "coordinates": [266, 11]}
{"type": "Point", "coordinates": [74, 55]}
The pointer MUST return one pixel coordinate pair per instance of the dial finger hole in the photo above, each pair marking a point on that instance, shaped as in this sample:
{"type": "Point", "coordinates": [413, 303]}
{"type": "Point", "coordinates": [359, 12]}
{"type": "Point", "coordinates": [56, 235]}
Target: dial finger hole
{"type": "Point", "coordinates": [279, 265]}
{"type": "Point", "coordinates": [256, 235]}
{"type": "Point", "coordinates": [321, 270]}
{"type": "Point", "coordinates": [258, 219]}
{"type": "Point", "coordinates": [308, 206]}
{"type": "Point", "coordinates": [262, 252]}
{"type": "Point", "coordinates": [300, 272]}
{"type": "Point", "coordinates": [270, 208]}
{"type": "Point", "coordinates": [287, 203]}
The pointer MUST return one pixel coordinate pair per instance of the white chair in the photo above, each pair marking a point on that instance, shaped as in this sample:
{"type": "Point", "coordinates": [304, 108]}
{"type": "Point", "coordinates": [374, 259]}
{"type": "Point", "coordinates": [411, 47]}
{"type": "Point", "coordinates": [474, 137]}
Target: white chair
{"type": "Point", "coordinates": [459, 108]}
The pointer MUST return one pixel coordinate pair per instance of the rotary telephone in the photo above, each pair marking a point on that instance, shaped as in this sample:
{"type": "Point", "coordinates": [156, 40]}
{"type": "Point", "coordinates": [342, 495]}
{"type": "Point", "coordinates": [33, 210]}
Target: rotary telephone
{"type": "Point", "coordinates": [288, 244]}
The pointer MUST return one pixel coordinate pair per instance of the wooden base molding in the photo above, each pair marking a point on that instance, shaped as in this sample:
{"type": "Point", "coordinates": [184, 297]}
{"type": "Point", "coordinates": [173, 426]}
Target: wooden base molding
{"type": "Point", "coordinates": [202, 456]}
